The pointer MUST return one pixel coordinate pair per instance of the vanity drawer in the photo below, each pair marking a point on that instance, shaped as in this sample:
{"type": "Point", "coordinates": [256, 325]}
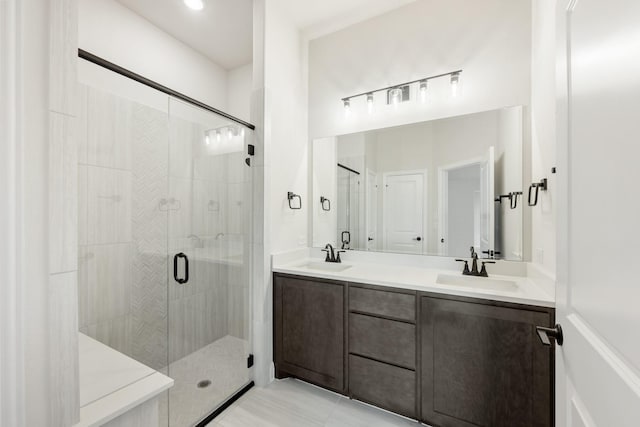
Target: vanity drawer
{"type": "Point", "coordinates": [383, 385]}
{"type": "Point", "coordinates": [383, 303]}
{"type": "Point", "coordinates": [381, 339]}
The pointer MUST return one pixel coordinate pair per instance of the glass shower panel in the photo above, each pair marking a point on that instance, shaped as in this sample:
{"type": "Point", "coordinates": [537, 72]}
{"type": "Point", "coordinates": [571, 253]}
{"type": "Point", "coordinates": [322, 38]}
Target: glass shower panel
{"type": "Point", "coordinates": [123, 175]}
{"type": "Point", "coordinates": [348, 206]}
{"type": "Point", "coordinates": [208, 287]}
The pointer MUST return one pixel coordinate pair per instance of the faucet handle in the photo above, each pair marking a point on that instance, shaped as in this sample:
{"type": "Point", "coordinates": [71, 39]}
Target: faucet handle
{"type": "Point", "coordinates": [483, 270]}
{"type": "Point", "coordinates": [328, 258]}
{"type": "Point", "coordinates": [466, 266]}
{"type": "Point", "coordinates": [338, 255]}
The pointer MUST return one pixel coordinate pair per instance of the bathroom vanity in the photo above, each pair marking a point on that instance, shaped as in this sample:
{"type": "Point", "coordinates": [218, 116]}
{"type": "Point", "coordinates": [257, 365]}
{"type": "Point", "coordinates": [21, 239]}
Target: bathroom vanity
{"type": "Point", "coordinates": [398, 338]}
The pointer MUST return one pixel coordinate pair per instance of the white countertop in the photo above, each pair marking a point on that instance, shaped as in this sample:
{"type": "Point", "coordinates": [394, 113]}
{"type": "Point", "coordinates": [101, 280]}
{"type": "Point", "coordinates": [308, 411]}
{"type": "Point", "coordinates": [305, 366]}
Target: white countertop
{"type": "Point", "coordinates": [420, 279]}
{"type": "Point", "coordinates": [112, 383]}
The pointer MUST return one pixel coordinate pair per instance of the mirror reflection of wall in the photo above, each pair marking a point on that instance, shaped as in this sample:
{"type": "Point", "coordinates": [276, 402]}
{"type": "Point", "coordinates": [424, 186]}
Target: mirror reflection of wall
{"type": "Point", "coordinates": [427, 188]}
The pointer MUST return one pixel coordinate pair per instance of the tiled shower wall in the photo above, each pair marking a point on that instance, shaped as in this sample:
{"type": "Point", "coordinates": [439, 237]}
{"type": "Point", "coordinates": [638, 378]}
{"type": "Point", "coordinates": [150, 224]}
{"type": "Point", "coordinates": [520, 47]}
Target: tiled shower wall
{"type": "Point", "coordinates": [145, 186]}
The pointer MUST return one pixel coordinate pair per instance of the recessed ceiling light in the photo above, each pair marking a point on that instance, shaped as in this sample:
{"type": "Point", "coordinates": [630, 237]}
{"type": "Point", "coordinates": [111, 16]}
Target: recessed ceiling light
{"type": "Point", "coordinates": [194, 4]}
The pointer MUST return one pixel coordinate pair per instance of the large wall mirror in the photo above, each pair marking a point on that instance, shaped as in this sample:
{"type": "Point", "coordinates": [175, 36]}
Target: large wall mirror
{"type": "Point", "coordinates": [438, 187]}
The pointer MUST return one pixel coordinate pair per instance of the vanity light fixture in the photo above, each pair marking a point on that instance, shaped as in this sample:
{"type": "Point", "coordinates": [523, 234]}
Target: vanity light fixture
{"type": "Point", "coordinates": [229, 133]}
{"type": "Point", "coordinates": [207, 140]}
{"type": "Point", "coordinates": [455, 80]}
{"type": "Point", "coordinates": [423, 90]}
{"type": "Point", "coordinates": [401, 92]}
{"type": "Point", "coordinates": [194, 4]}
{"type": "Point", "coordinates": [347, 106]}
{"type": "Point", "coordinates": [218, 135]}
{"type": "Point", "coordinates": [395, 95]}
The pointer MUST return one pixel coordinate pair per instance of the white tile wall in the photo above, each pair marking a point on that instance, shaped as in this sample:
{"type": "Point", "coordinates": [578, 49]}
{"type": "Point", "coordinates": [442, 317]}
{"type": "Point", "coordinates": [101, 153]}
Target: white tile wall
{"type": "Point", "coordinates": [63, 341]}
{"type": "Point", "coordinates": [109, 135]}
{"type": "Point", "coordinates": [63, 197]}
{"type": "Point", "coordinates": [108, 205]}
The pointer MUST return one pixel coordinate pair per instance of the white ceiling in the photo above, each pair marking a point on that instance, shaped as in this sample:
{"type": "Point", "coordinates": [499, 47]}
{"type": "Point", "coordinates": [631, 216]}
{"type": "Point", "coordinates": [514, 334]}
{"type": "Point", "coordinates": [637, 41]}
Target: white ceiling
{"type": "Point", "coordinates": [222, 31]}
{"type": "Point", "coordinates": [319, 17]}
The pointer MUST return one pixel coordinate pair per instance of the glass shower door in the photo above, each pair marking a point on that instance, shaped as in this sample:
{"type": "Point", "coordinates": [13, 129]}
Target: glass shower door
{"type": "Point", "coordinates": [208, 261]}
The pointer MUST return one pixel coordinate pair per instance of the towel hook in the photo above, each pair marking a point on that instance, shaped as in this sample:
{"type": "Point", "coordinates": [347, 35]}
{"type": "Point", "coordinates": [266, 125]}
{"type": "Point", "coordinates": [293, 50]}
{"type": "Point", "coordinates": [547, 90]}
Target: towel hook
{"type": "Point", "coordinates": [325, 203]}
{"type": "Point", "coordinates": [542, 185]}
{"type": "Point", "coordinates": [291, 196]}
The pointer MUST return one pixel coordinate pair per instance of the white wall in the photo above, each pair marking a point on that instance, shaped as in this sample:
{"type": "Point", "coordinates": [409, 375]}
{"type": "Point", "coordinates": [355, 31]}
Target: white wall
{"type": "Point", "coordinates": [543, 132]}
{"type": "Point", "coordinates": [239, 92]}
{"type": "Point", "coordinates": [489, 40]}
{"type": "Point", "coordinates": [108, 29]}
{"type": "Point", "coordinates": [278, 109]}
{"type": "Point", "coordinates": [324, 184]}
{"type": "Point", "coordinates": [287, 140]}
{"type": "Point", "coordinates": [38, 312]}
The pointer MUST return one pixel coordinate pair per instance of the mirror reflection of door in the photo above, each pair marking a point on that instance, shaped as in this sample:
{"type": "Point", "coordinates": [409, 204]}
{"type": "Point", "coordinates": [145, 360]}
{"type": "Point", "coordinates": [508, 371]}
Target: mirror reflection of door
{"type": "Point", "coordinates": [372, 210]}
{"type": "Point", "coordinates": [403, 222]}
{"type": "Point", "coordinates": [466, 211]}
{"type": "Point", "coordinates": [487, 208]}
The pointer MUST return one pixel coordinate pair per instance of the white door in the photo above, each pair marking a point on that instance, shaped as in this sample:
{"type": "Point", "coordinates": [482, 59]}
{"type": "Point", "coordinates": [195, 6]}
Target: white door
{"type": "Point", "coordinates": [487, 208]}
{"type": "Point", "coordinates": [403, 212]}
{"type": "Point", "coordinates": [372, 210]}
{"type": "Point", "coordinates": [598, 293]}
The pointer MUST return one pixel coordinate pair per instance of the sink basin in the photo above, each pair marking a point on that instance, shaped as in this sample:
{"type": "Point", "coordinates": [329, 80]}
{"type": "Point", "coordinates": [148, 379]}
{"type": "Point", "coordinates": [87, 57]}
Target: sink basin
{"type": "Point", "coordinates": [477, 282]}
{"type": "Point", "coordinates": [325, 266]}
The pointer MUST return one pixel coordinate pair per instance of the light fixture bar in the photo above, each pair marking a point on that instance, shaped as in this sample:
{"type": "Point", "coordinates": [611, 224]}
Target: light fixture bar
{"type": "Point", "coordinates": [457, 72]}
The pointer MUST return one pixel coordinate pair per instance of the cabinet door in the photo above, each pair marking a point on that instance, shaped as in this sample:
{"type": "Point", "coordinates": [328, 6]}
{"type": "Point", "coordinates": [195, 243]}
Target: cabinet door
{"type": "Point", "coordinates": [483, 365]}
{"type": "Point", "coordinates": [309, 330]}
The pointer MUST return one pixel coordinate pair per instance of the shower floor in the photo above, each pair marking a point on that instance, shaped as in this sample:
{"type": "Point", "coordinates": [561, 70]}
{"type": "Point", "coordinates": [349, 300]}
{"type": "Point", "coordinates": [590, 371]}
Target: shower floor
{"type": "Point", "coordinates": [223, 362]}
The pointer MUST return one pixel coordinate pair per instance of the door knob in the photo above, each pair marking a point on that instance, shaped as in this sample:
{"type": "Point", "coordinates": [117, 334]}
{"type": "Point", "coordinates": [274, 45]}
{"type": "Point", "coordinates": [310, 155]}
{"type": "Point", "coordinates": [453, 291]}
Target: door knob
{"type": "Point", "coordinates": [546, 334]}
{"type": "Point", "coordinates": [418, 238]}
{"type": "Point", "coordinates": [369, 238]}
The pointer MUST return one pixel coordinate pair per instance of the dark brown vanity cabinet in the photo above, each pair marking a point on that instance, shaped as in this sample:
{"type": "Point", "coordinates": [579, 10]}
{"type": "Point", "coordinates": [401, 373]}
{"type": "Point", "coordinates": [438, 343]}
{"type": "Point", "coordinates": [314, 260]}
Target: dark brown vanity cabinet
{"type": "Point", "coordinates": [446, 360]}
{"type": "Point", "coordinates": [309, 334]}
{"type": "Point", "coordinates": [483, 364]}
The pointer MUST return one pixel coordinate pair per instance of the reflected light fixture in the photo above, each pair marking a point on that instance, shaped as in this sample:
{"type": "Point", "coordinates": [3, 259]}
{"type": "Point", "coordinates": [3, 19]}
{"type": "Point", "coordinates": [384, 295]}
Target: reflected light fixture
{"type": "Point", "coordinates": [229, 133]}
{"type": "Point", "coordinates": [207, 140]}
{"type": "Point", "coordinates": [218, 136]}
{"type": "Point", "coordinates": [194, 4]}
{"type": "Point", "coordinates": [423, 90]}
{"type": "Point", "coordinates": [455, 80]}
{"type": "Point", "coordinates": [370, 102]}
{"type": "Point", "coordinates": [347, 106]}
{"type": "Point", "coordinates": [398, 93]}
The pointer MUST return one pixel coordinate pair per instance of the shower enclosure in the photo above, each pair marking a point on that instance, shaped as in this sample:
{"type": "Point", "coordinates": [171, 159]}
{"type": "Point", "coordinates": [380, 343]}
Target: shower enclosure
{"type": "Point", "coordinates": [348, 206]}
{"type": "Point", "coordinates": [164, 235]}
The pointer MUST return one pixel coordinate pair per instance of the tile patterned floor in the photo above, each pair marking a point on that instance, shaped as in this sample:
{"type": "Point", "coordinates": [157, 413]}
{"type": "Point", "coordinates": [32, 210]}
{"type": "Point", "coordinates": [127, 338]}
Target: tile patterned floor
{"type": "Point", "coordinates": [293, 403]}
{"type": "Point", "coordinates": [223, 362]}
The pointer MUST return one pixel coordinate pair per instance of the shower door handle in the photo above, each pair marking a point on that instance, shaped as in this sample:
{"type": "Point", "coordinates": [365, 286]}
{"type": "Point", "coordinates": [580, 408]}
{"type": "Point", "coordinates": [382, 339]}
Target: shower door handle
{"type": "Point", "coordinates": [184, 279]}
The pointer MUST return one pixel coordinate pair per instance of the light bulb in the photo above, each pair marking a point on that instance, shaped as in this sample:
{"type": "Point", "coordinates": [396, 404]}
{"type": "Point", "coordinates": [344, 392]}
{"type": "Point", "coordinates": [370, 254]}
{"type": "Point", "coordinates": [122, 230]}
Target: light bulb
{"type": "Point", "coordinates": [455, 80]}
{"type": "Point", "coordinates": [370, 102]}
{"type": "Point", "coordinates": [423, 91]}
{"type": "Point", "coordinates": [395, 94]}
{"type": "Point", "coordinates": [347, 107]}
{"type": "Point", "coordinates": [194, 4]}
{"type": "Point", "coordinates": [229, 133]}
{"type": "Point", "coordinates": [218, 136]}
{"type": "Point", "coordinates": [242, 132]}
{"type": "Point", "coordinates": [206, 139]}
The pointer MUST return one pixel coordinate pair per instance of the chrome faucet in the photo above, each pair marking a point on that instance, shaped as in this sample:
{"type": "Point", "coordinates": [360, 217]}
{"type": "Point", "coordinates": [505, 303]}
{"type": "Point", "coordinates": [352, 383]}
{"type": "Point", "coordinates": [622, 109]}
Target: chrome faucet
{"type": "Point", "coordinates": [332, 256]}
{"type": "Point", "coordinates": [474, 266]}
